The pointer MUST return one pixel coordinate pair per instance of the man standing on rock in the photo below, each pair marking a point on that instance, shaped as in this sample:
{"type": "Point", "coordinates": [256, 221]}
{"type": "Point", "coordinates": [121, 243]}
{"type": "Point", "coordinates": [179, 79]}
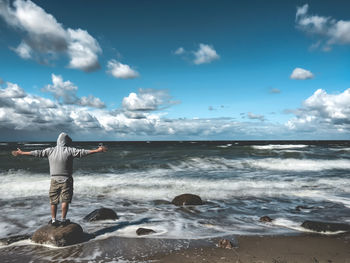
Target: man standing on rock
{"type": "Point", "coordinates": [61, 170]}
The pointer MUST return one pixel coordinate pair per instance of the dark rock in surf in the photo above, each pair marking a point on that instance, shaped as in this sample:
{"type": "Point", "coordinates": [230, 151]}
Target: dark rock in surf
{"type": "Point", "coordinates": [144, 231]}
{"type": "Point", "coordinates": [187, 199]}
{"type": "Point", "coordinates": [325, 226]}
{"type": "Point", "coordinates": [225, 243]}
{"type": "Point", "coordinates": [101, 214]}
{"type": "Point", "coordinates": [265, 219]}
{"type": "Point", "coordinates": [60, 236]}
{"type": "Point", "coordinates": [12, 239]}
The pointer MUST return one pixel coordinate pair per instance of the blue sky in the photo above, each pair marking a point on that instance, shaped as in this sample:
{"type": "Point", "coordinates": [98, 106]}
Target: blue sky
{"type": "Point", "coordinates": [154, 70]}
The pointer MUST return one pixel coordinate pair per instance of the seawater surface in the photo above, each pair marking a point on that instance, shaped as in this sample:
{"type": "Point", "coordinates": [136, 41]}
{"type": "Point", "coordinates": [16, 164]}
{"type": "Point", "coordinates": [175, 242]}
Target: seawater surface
{"type": "Point", "coordinates": [239, 182]}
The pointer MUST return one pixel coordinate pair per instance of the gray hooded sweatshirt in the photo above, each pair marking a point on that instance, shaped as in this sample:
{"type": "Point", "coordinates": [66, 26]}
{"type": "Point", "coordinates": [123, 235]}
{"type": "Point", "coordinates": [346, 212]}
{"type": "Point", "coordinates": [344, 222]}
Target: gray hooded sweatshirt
{"type": "Point", "coordinates": [61, 157]}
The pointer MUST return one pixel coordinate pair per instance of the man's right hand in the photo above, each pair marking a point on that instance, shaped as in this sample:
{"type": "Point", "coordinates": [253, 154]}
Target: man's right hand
{"type": "Point", "coordinates": [102, 148]}
{"type": "Point", "coordinates": [18, 152]}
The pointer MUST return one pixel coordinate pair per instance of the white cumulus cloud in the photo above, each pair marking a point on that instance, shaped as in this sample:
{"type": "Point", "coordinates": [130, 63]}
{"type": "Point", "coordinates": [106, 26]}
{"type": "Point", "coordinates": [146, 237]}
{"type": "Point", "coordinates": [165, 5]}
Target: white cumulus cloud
{"type": "Point", "coordinates": [330, 30]}
{"type": "Point", "coordinates": [91, 101]}
{"type": "Point", "coordinates": [12, 91]}
{"type": "Point", "coordinates": [139, 117]}
{"type": "Point", "coordinates": [44, 38]}
{"type": "Point", "coordinates": [301, 74]}
{"type": "Point", "coordinates": [65, 92]}
{"type": "Point", "coordinates": [323, 112]}
{"type": "Point", "coordinates": [122, 71]}
{"type": "Point", "coordinates": [205, 54]}
{"type": "Point", "coordinates": [253, 116]}
{"type": "Point", "coordinates": [179, 51]}
{"type": "Point", "coordinates": [23, 50]}
{"type": "Point", "coordinates": [147, 100]}
{"type": "Point", "coordinates": [83, 50]}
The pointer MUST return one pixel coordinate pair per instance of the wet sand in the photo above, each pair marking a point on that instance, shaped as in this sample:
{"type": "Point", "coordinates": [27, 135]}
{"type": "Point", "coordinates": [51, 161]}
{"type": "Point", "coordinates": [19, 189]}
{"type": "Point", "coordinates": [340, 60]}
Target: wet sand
{"type": "Point", "coordinates": [259, 249]}
{"type": "Point", "coordinates": [275, 249]}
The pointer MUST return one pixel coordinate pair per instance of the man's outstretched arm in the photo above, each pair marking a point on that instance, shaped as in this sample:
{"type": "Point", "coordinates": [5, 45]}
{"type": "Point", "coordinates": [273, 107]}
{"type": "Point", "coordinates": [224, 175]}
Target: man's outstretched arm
{"type": "Point", "coordinates": [20, 152]}
{"type": "Point", "coordinates": [98, 150]}
{"type": "Point", "coordinates": [78, 153]}
{"type": "Point", "coordinates": [37, 153]}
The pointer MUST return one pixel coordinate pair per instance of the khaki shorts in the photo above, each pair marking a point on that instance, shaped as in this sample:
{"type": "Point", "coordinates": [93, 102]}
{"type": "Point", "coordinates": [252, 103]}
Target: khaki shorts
{"type": "Point", "coordinates": [61, 191]}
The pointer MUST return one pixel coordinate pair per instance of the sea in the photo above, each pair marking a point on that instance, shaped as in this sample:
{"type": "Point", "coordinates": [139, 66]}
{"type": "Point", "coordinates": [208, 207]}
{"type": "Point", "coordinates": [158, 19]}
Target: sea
{"type": "Point", "coordinates": [238, 181]}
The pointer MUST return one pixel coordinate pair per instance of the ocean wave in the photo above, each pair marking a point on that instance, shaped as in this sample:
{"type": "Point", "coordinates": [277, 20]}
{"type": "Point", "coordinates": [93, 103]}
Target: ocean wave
{"type": "Point", "coordinates": [225, 146]}
{"type": "Point", "coordinates": [279, 146]}
{"type": "Point", "coordinates": [36, 144]}
{"type": "Point", "coordinates": [274, 164]}
{"type": "Point", "coordinates": [213, 165]}
{"type": "Point", "coordinates": [346, 149]}
{"type": "Point", "coordinates": [205, 165]}
{"type": "Point", "coordinates": [291, 151]}
{"type": "Point", "coordinates": [291, 164]}
{"type": "Point", "coordinates": [163, 184]}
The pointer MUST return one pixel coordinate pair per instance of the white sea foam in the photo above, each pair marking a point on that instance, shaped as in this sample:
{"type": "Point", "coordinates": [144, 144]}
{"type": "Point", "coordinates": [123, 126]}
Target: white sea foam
{"type": "Point", "coordinates": [291, 151]}
{"type": "Point", "coordinates": [291, 164]}
{"type": "Point", "coordinates": [279, 146]}
{"type": "Point", "coordinates": [340, 149]}
{"type": "Point", "coordinates": [25, 242]}
{"type": "Point", "coordinates": [337, 199]}
{"type": "Point", "coordinates": [278, 164]}
{"type": "Point", "coordinates": [164, 184]}
{"type": "Point", "coordinates": [36, 144]}
{"type": "Point", "coordinates": [297, 226]}
{"type": "Point", "coordinates": [289, 224]}
{"type": "Point", "coordinates": [225, 146]}
{"type": "Point", "coordinates": [23, 184]}
{"type": "Point", "coordinates": [346, 149]}
{"type": "Point", "coordinates": [130, 231]}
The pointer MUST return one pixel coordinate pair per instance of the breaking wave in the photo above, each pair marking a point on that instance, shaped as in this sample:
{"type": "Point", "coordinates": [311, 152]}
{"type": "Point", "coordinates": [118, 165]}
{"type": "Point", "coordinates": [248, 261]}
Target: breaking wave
{"type": "Point", "coordinates": [279, 146]}
{"type": "Point", "coordinates": [277, 164]}
{"type": "Point", "coordinates": [166, 184]}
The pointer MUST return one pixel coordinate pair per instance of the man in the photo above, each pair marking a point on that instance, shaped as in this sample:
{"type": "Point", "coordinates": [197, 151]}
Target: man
{"type": "Point", "coordinates": [61, 170]}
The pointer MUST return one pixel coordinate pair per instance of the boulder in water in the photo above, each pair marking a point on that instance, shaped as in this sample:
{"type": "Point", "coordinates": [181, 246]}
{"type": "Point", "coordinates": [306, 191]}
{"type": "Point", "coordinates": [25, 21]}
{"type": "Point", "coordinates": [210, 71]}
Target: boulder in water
{"type": "Point", "coordinates": [187, 199]}
{"type": "Point", "coordinates": [325, 226]}
{"type": "Point", "coordinates": [144, 231]}
{"type": "Point", "coordinates": [101, 214]}
{"type": "Point", "coordinates": [265, 219]}
{"type": "Point", "coordinates": [60, 236]}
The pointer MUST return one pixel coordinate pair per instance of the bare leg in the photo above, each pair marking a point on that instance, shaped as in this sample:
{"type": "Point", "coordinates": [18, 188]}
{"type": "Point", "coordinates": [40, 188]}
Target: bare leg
{"type": "Point", "coordinates": [53, 211]}
{"type": "Point", "coordinates": [65, 207]}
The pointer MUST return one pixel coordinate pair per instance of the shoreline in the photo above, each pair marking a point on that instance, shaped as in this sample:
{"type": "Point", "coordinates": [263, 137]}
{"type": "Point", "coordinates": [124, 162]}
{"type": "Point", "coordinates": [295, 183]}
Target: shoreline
{"type": "Point", "coordinates": [303, 247]}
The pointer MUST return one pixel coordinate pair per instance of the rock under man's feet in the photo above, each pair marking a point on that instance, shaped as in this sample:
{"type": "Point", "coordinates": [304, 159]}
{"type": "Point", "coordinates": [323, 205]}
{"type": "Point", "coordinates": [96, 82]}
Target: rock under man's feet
{"type": "Point", "coordinates": [55, 223]}
{"type": "Point", "coordinates": [65, 222]}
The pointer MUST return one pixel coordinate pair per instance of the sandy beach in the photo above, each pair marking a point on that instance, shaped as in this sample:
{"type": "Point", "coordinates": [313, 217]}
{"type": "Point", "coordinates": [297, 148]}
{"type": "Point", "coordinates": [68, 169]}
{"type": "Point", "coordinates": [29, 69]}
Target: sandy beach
{"type": "Point", "coordinates": [259, 249]}
{"type": "Point", "coordinates": [276, 249]}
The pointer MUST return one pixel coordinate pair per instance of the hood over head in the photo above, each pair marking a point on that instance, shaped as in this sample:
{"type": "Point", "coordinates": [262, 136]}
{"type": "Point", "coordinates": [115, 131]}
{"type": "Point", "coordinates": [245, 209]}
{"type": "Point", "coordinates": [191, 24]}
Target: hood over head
{"type": "Point", "coordinates": [64, 140]}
